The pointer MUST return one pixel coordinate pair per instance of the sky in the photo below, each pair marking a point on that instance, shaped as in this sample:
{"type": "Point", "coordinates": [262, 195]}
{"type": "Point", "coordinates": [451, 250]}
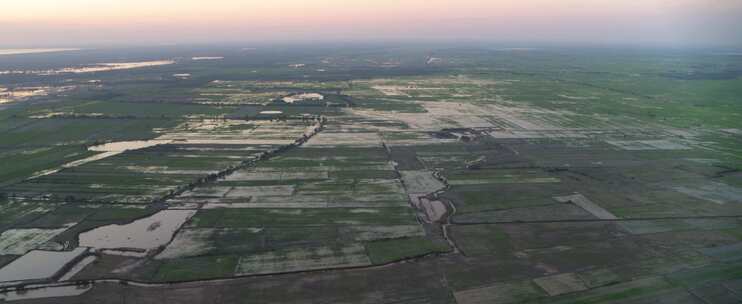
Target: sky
{"type": "Point", "coordinates": [71, 23]}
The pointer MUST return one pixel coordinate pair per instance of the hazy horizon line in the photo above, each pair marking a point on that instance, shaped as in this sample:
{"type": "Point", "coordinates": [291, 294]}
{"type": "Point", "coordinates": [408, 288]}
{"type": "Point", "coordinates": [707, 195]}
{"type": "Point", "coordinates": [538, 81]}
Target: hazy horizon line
{"type": "Point", "coordinates": [403, 42]}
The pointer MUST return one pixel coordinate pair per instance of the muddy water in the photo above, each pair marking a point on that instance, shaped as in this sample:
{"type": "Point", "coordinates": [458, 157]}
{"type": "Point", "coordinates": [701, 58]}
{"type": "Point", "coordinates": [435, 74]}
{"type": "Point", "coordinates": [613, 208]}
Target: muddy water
{"type": "Point", "coordinates": [46, 292]}
{"type": "Point", "coordinates": [434, 210]}
{"type": "Point", "coordinates": [39, 265]}
{"type": "Point", "coordinates": [138, 237]}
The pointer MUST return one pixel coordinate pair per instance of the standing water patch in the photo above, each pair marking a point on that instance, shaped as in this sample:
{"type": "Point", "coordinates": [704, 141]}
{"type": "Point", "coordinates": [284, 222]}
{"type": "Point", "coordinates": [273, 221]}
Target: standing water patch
{"type": "Point", "coordinates": [139, 237]}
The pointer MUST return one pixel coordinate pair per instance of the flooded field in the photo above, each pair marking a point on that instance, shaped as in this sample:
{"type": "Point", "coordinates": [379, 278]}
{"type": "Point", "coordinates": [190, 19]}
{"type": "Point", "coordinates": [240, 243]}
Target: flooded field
{"type": "Point", "coordinates": [39, 265]}
{"type": "Point", "coordinates": [45, 292]}
{"type": "Point", "coordinates": [137, 237]}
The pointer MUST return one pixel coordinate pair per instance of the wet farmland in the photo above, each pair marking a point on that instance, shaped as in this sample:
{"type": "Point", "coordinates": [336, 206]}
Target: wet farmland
{"type": "Point", "coordinates": [480, 177]}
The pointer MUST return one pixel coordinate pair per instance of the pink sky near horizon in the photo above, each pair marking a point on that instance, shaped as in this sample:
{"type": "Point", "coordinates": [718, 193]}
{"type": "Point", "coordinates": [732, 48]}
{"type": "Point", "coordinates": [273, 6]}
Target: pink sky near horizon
{"type": "Point", "coordinates": [71, 22]}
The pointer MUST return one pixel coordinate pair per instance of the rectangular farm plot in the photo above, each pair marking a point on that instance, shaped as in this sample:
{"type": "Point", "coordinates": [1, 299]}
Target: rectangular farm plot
{"type": "Point", "coordinates": [306, 258]}
{"type": "Point", "coordinates": [599, 277]}
{"type": "Point", "coordinates": [500, 293]}
{"type": "Point", "coordinates": [358, 188]}
{"type": "Point", "coordinates": [288, 175]}
{"type": "Point", "coordinates": [206, 192]}
{"type": "Point", "coordinates": [636, 290]}
{"type": "Point", "coordinates": [259, 191]}
{"type": "Point", "coordinates": [553, 212]}
{"type": "Point", "coordinates": [399, 138]}
{"type": "Point", "coordinates": [192, 242]}
{"type": "Point", "coordinates": [503, 180]}
{"type": "Point", "coordinates": [719, 193]}
{"type": "Point", "coordinates": [270, 202]}
{"type": "Point", "coordinates": [728, 253]}
{"type": "Point", "coordinates": [589, 206]}
{"type": "Point", "coordinates": [363, 187]}
{"type": "Point", "coordinates": [475, 198]}
{"type": "Point", "coordinates": [391, 250]}
{"type": "Point", "coordinates": [654, 226]}
{"type": "Point", "coordinates": [481, 177]}
{"type": "Point", "coordinates": [639, 145]}
{"type": "Point", "coordinates": [369, 233]}
{"type": "Point", "coordinates": [707, 274]}
{"type": "Point", "coordinates": [663, 202]}
{"type": "Point", "coordinates": [302, 217]}
{"type": "Point", "coordinates": [345, 139]}
{"type": "Point", "coordinates": [716, 293]}
{"type": "Point", "coordinates": [202, 267]}
{"type": "Point", "coordinates": [560, 284]}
